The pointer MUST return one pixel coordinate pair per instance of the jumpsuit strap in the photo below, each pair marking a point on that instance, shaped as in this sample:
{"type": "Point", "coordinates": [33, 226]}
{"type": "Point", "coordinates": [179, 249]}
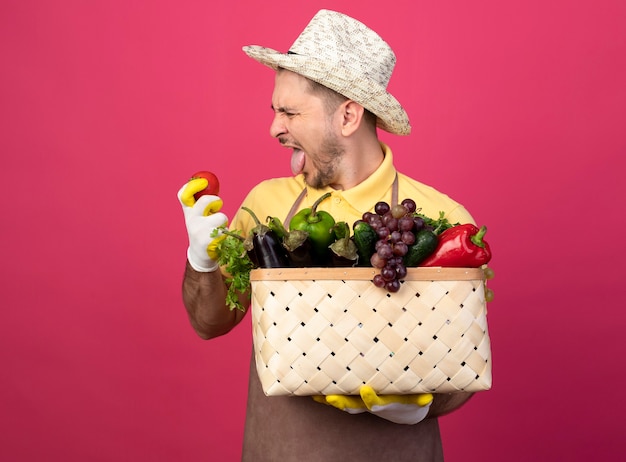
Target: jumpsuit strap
{"type": "Point", "coordinates": [394, 191]}
{"type": "Point", "coordinates": [295, 207]}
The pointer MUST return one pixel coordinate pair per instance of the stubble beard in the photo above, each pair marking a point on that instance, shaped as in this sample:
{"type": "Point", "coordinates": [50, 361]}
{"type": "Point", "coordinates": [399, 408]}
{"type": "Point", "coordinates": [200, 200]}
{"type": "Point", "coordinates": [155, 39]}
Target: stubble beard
{"type": "Point", "coordinates": [325, 167]}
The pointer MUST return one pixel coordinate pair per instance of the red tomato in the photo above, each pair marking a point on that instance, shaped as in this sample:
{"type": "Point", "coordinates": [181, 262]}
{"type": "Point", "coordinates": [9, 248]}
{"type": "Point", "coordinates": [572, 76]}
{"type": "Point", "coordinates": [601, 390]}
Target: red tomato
{"type": "Point", "coordinates": [212, 189]}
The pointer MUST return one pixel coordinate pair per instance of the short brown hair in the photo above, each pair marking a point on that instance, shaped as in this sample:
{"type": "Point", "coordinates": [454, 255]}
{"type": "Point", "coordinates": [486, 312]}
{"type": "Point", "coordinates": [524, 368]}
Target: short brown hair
{"type": "Point", "coordinates": [332, 100]}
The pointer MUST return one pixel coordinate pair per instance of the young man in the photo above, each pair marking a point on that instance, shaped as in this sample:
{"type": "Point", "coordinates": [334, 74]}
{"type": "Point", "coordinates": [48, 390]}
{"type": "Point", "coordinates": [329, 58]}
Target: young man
{"type": "Point", "coordinates": [329, 100]}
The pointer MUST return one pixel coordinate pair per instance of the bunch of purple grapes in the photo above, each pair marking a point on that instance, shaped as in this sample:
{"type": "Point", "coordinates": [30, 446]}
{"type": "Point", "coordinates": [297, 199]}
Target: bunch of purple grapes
{"type": "Point", "coordinates": [396, 227]}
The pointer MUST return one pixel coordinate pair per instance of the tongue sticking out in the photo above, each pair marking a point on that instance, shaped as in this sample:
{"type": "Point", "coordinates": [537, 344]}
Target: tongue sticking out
{"type": "Point", "coordinates": [297, 161]}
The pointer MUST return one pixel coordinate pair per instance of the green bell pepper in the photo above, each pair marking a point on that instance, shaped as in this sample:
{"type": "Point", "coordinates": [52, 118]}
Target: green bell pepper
{"type": "Point", "coordinates": [320, 227]}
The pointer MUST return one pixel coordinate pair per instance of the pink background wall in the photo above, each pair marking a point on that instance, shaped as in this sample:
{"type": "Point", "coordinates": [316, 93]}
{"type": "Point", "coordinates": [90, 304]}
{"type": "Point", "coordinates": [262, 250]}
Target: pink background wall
{"type": "Point", "coordinates": [519, 112]}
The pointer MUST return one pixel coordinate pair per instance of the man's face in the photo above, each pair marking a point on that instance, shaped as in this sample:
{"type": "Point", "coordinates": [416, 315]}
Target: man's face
{"type": "Point", "coordinates": [302, 123]}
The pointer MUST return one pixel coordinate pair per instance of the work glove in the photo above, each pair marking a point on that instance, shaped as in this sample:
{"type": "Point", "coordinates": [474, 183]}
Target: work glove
{"type": "Point", "coordinates": [400, 409]}
{"type": "Point", "coordinates": [203, 220]}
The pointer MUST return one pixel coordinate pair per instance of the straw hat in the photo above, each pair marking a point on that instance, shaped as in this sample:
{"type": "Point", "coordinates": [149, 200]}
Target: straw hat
{"type": "Point", "coordinates": [343, 54]}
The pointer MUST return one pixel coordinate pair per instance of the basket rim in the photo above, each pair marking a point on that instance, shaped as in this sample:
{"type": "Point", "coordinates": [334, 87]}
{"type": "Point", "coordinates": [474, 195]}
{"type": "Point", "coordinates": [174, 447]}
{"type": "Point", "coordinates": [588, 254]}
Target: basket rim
{"type": "Point", "coordinates": [366, 273]}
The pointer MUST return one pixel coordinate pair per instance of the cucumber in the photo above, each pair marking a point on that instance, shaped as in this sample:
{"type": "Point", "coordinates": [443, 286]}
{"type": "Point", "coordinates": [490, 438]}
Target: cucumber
{"type": "Point", "coordinates": [365, 239]}
{"type": "Point", "coordinates": [425, 243]}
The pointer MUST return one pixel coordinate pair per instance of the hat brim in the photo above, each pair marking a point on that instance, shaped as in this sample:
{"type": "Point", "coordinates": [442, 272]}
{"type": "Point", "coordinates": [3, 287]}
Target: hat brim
{"type": "Point", "coordinates": [391, 116]}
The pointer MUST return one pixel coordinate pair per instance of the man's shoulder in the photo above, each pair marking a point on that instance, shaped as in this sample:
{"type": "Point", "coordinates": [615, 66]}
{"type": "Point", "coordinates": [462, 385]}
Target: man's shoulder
{"type": "Point", "coordinates": [406, 182]}
{"type": "Point", "coordinates": [430, 200]}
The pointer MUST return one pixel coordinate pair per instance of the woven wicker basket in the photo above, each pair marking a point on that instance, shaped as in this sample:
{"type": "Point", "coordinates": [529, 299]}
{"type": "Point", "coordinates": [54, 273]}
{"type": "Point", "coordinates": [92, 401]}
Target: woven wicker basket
{"type": "Point", "coordinates": [322, 331]}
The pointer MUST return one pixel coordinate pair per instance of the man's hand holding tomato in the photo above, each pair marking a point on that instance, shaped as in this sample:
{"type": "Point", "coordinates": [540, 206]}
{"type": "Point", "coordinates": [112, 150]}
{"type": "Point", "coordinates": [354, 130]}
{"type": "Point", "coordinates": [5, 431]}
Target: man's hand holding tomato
{"type": "Point", "coordinates": [201, 207]}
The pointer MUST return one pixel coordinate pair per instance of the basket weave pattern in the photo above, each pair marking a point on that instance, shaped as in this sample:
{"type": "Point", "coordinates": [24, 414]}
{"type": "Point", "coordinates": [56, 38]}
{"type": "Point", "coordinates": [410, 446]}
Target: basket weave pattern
{"type": "Point", "coordinates": [331, 331]}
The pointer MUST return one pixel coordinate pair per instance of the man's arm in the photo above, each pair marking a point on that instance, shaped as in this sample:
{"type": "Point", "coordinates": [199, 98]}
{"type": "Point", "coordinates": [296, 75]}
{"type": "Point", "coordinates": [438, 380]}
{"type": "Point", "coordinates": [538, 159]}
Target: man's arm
{"type": "Point", "coordinates": [204, 296]}
{"type": "Point", "coordinates": [204, 288]}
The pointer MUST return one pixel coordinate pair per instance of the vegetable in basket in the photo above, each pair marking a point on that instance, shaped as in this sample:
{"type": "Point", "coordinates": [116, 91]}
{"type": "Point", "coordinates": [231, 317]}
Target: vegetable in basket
{"type": "Point", "coordinates": [437, 225]}
{"type": "Point", "coordinates": [462, 246]}
{"type": "Point", "coordinates": [365, 238]}
{"type": "Point", "coordinates": [426, 242]}
{"type": "Point", "coordinates": [266, 245]}
{"type": "Point", "coordinates": [233, 252]}
{"type": "Point", "coordinates": [343, 250]}
{"type": "Point", "coordinates": [296, 243]}
{"type": "Point", "coordinates": [319, 224]}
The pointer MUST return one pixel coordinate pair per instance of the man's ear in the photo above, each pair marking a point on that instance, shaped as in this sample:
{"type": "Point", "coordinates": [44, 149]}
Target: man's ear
{"type": "Point", "coordinates": [351, 116]}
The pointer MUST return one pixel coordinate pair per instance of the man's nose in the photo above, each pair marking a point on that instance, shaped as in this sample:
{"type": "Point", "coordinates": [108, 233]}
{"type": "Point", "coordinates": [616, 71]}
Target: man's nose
{"type": "Point", "coordinates": [277, 127]}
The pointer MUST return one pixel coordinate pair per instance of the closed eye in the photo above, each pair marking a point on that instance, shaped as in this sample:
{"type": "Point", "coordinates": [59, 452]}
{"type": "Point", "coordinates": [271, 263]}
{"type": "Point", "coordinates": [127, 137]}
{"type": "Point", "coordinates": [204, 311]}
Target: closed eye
{"type": "Point", "coordinates": [289, 113]}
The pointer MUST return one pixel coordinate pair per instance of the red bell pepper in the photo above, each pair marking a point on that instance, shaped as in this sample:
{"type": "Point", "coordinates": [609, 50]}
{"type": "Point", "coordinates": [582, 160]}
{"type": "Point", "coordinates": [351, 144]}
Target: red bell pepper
{"type": "Point", "coordinates": [462, 246]}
